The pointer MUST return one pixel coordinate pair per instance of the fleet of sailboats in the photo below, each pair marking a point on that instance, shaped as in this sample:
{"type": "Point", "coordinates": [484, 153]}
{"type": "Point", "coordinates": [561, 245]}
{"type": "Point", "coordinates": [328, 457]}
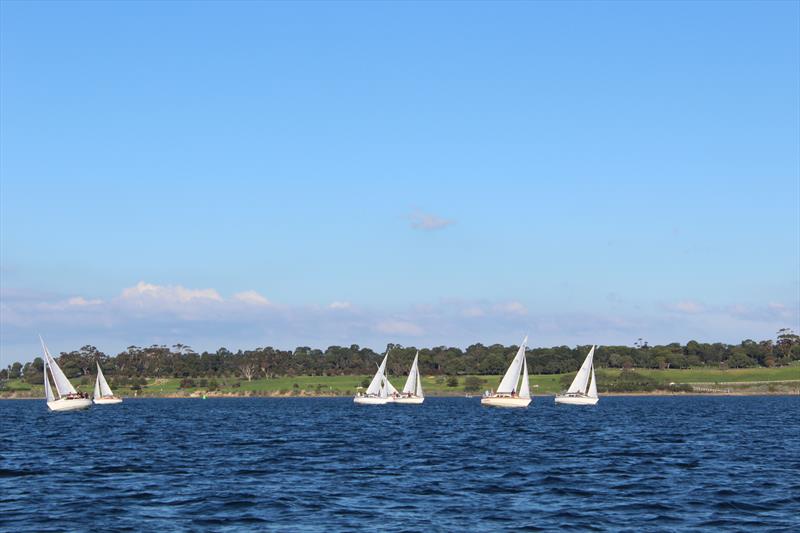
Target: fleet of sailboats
{"type": "Point", "coordinates": [62, 396]}
{"type": "Point", "coordinates": [583, 390]}
{"type": "Point", "coordinates": [102, 392]}
{"type": "Point", "coordinates": [512, 392]}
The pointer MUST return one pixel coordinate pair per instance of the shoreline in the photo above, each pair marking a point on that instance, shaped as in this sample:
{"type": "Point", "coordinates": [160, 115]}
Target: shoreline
{"type": "Point", "coordinates": [474, 397]}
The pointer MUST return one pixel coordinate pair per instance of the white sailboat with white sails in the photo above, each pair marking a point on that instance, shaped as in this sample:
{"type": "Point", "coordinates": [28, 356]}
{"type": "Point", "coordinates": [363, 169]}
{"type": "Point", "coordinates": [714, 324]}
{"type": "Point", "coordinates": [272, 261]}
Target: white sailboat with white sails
{"type": "Point", "coordinates": [379, 388]}
{"type": "Point", "coordinates": [68, 398]}
{"type": "Point", "coordinates": [102, 392]}
{"type": "Point", "coordinates": [583, 390]}
{"type": "Point", "coordinates": [511, 392]}
{"type": "Point", "coordinates": [412, 391]}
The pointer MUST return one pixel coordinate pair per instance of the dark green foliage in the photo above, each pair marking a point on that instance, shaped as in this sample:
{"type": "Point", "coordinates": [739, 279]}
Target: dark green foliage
{"type": "Point", "coordinates": [473, 384]}
{"type": "Point", "coordinates": [187, 383]}
{"type": "Point", "coordinates": [452, 381]}
{"type": "Point", "coordinates": [180, 361]}
{"type": "Point", "coordinates": [627, 381]}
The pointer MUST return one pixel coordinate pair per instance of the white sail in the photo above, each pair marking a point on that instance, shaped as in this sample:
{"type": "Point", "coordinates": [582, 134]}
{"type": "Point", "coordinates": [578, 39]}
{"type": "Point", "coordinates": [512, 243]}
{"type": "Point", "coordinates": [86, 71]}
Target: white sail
{"type": "Point", "coordinates": [384, 391]}
{"type": "Point", "coordinates": [413, 378]}
{"type": "Point", "coordinates": [593, 386]}
{"type": "Point", "coordinates": [376, 384]}
{"type": "Point", "coordinates": [101, 385]}
{"type": "Point", "coordinates": [48, 391]}
{"type": "Point", "coordinates": [581, 380]}
{"type": "Point", "coordinates": [96, 394]}
{"type": "Point", "coordinates": [525, 387]}
{"type": "Point", "coordinates": [510, 379]}
{"type": "Point", "coordinates": [418, 390]}
{"type": "Point", "coordinates": [63, 386]}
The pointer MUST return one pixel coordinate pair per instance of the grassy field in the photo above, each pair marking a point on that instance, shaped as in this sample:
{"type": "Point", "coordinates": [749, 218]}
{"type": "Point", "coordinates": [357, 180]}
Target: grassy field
{"type": "Point", "coordinates": [433, 386]}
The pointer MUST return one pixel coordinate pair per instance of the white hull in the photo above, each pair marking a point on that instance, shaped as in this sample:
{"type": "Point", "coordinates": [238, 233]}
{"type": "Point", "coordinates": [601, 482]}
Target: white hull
{"type": "Point", "coordinates": [577, 400]}
{"type": "Point", "coordinates": [107, 401]}
{"type": "Point", "coordinates": [370, 400]}
{"type": "Point", "coordinates": [69, 405]}
{"type": "Point", "coordinates": [410, 401]}
{"type": "Point", "coordinates": [505, 401]}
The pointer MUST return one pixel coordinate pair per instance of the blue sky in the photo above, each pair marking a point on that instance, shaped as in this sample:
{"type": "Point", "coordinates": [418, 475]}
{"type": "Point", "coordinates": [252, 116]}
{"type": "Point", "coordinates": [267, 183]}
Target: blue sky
{"type": "Point", "coordinates": [421, 173]}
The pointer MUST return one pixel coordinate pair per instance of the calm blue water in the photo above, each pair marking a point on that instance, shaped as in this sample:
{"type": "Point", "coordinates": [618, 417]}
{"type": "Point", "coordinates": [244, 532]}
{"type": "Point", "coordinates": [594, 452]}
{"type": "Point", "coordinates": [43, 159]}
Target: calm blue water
{"type": "Point", "coordinates": [669, 463]}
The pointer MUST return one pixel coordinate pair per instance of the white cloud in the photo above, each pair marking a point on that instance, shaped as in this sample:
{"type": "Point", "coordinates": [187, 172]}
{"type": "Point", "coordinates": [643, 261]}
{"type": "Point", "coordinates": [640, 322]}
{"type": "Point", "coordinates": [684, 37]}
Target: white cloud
{"type": "Point", "coordinates": [428, 221]}
{"type": "Point", "coordinates": [689, 307]}
{"type": "Point", "coordinates": [167, 293]}
{"type": "Point", "coordinates": [399, 327]}
{"type": "Point", "coordinates": [251, 297]}
{"type": "Point", "coordinates": [147, 314]}
{"type": "Point", "coordinates": [511, 308]}
{"type": "Point", "coordinates": [81, 301]}
{"type": "Point", "coordinates": [473, 311]}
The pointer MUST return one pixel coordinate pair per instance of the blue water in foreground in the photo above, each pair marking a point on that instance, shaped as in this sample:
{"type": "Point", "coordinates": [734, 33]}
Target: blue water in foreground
{"type": "Point", "coordinates": [662, 463]}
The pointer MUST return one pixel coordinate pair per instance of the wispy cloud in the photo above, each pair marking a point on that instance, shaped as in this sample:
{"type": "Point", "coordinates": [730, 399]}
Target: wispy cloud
{"type": "Point", "coordinates": [428, 221]}
{"type": "Point", "coordinates": [690, 307]}
{"type": "Point", "coordinates": [146, 292]}
{"type": "Point", "coordinates": [81, 301]}
{"type": "Point", "coordinates": [399, 327]}
{"type": "Point", "coordinates": [148, 313]}
{"type": "Point", "coordinates": [251, 297]}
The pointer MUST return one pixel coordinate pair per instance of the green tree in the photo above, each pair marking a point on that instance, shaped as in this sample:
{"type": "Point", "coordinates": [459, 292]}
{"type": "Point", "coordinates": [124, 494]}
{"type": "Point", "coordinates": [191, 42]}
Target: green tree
{"type": "Point", "coordinates": [473, 384]}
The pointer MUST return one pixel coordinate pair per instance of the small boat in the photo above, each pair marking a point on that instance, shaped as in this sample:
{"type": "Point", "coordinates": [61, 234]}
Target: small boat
{"type": "Point", "coordinates": [508, 394]}
{"type": "Point", "coordinates": [583, 390]}
{"type": "Point", "coordinates": [102, 392]}
{"type": "Point", "coordinates": [412, 391]}
{"type": "Point", "coordinates": [378, 391]}
{"type": "Point", "coordinates": [68, 398]}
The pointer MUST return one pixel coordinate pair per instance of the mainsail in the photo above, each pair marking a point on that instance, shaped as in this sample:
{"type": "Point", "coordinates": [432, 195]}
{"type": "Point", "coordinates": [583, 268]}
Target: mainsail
{"type": "Point", "coordinates": [101, 388]}
{"type": "Point", "coordinates": [48, 391]}
{"type": "Point", "coordinates": [593, 386]}
{"type": "Point", "coordinates": [413, 384]}
{"type": "Point", "coordinates": [376, 386]}
{"type": "Point", "coordinates": [63, 386]}
{"type": "Point", "coordinates": [509, 382]}
{"type": "Point", "coordinates": [586, 372]}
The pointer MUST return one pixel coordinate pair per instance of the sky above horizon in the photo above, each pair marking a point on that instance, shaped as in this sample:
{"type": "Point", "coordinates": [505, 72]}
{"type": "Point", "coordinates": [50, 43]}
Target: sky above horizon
{"type": "Point", "coordinates": [308, 174]}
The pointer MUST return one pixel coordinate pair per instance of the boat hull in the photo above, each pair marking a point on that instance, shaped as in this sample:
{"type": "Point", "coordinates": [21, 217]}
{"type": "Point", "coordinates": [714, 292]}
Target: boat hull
{"type": "Point", "coordinates": [370, 400]}
{"type": "Point", "coordinates": [65, 404]}
{"type": "Point", "coordinates": [107, 401]}
{"type": "Point", "coordinates": [576, 400]}
{"type": "Point", "coordinates": [505, 401]}
{"type": "Point", "coordinates": [409, 401]}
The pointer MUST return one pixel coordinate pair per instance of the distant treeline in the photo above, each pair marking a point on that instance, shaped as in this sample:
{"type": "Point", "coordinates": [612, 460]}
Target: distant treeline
{"type": "Point", "coordinates": [181, 361]}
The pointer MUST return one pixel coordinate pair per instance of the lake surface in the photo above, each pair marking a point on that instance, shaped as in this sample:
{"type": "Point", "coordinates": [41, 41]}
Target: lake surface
{"type": "Point", "coordinates": [636, 463]}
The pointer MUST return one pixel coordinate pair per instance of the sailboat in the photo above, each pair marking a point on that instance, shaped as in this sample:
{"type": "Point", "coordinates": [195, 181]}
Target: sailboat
{"type": "Point", "coordinates": [102, 392]}
{"type": "Point", "coordinates": [379, 388]}
{"type": "Point", "coordinates": [68, 397]}
{"type": "Point", "coordinates": [508, 394]}
{"type": "Point", "coordinates": [412, 391]}
{"type": "Point", "coordinates": [583, 390]}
